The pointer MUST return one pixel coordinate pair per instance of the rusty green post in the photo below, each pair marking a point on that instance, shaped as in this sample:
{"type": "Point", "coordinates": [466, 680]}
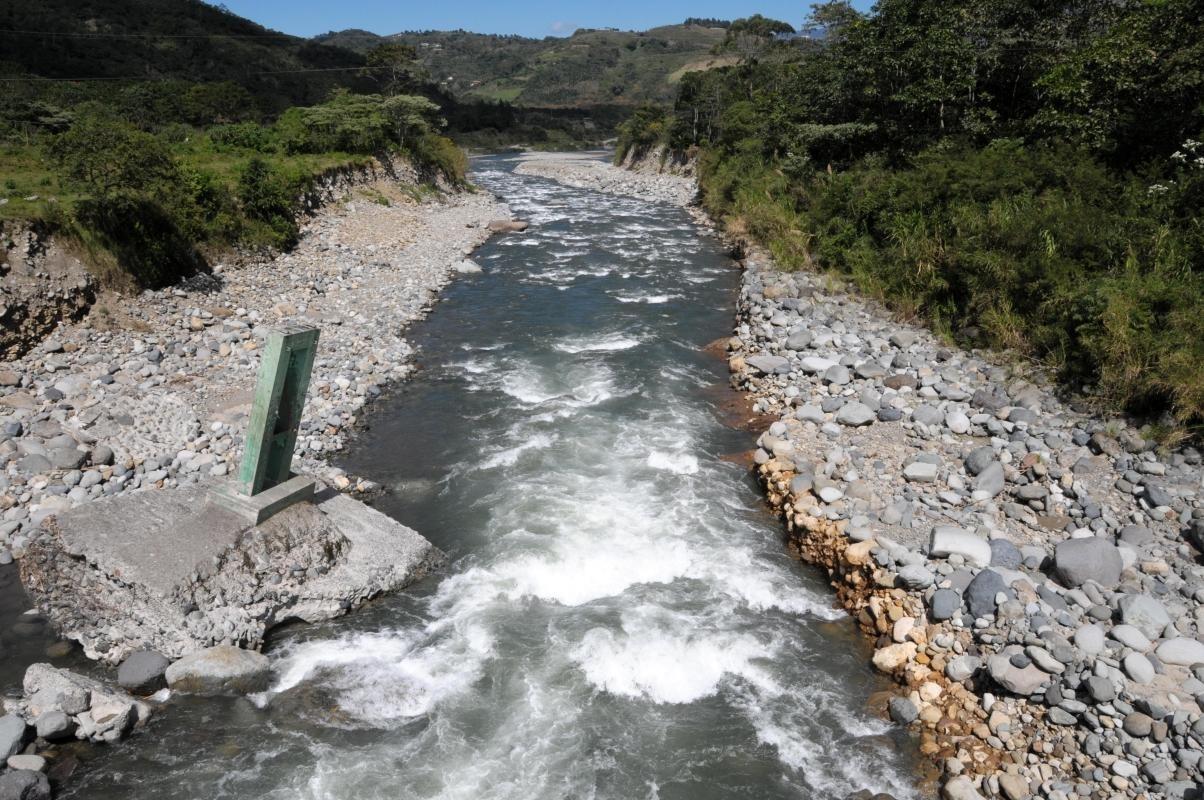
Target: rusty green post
{"type": "Point", "coordinates": [276, 412]}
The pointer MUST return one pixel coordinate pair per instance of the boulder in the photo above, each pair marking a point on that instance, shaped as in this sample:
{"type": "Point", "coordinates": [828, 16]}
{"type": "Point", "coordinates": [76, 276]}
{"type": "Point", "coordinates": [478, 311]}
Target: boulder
{"type": "Point", "coordinates": [1077, 561]}
{"type": "Point", "coordinates": [980, 594]}
{"type": "Point", "coordinates": [220, 670]}
{"type": "Point", "coordinates": [944, 604]}
{"type": "Point", "coordinates": [1090, 639]}
{"type": "Point", "coordinates": [991, 480]}
{"type": "Point", "coordinates": [962, 667]}
{"type": "Point", "coordinates": [143, 672]}
{"type": "Point", "coordinates": [920, 472]}
{"type": "Point", "coordinates": [960, 788]}
{"type": "Point", "coordinates": [888, 659]}
{"type": "Point", "coordinates": [1005, 555]}
{"type": "Point", "coordinates": [1181, 651]}
{"type": "Point", "coordinates": [54, 726]}
{"type": "Point", "coordinates": [1022, 681]}
{"type": "Point", "coordinates": [24, 784]}
{"type": "Point", "coordinates": [100, 713]}
{"type": "Point", "coordinates": [1145, 614]}
{"type": "Point", "coordinates": [855, 415]}
{"type": "Point", "coordinates": [979, 459]}
{"type": "Point", "coordinates": [769, 365]}
{"type": "Point", "coordinates": [948, 540]}
{"type": "Point", "coordinates": [14, 733]}
{"type": "Point", "coordinates": [1138, 668]}
{"type": "Point", "coordinates": [903, 711]}
{"type": "Point", "coordinates": [915, 576]}
{"type": "Point", "coordinates": [508, 225]}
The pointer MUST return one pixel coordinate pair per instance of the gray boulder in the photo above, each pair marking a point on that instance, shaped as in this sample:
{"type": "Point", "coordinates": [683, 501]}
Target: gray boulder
{"type": "Point", "coordinates": [944, 604]}
{"type": "Point", "coordinates": [769, 365]}
{"type": "Point", "coordinates": [220, 670]}
{"type": "Point", "coordinates": [1077, 561]}
{"type": "Point", "coordinates": [855, 415]}
{"type": "Point", "coordinates": [1023, 681]}
{"type": "Point", "coordinates": [1145, 614]}
{"type": "Point", "coordinates": [1004, 554]}
{"type": "Point", "coordinates": [903, 711]}
{"type": "Point", "coordinates": [14, 733]}
{"type": "Point", "coordinates": [962, 667]}
{"type": "Point", "coordinates": [980, 594]}
{"type": "Point", "coordinates": [991, 480]}
{"type": "Point", "coordinates": [979, 459]}
{"type": "Point", "coordinates": [54, 726]}
{"type": "Point", "coordinates": [1181, 651]}
{"type": "Point", "coordinates": [24, 784]}
{"type": "Point", "coordinates": [915, 576]}
{"type": "Point", "coordinates": [143, 672]}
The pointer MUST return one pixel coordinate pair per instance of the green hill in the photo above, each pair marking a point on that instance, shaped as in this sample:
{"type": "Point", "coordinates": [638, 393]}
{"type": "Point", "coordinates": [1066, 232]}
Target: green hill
{"type": "Point", "coordinates": [105, 40]}
{"type": "Point", "coordinates": [589, 68]}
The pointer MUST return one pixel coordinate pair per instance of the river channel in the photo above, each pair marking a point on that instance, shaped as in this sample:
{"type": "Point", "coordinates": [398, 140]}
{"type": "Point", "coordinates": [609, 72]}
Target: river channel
{"type": "Point", "coordinates": [619, 618]}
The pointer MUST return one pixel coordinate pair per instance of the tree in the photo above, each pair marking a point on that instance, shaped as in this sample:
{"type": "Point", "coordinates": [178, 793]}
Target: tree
{"type": "Point", "coordinates": [394, 67]}
{"type": "Point", "coordinates": [411, 116]}
{"type": "Point", "coordinates": [111, 158]}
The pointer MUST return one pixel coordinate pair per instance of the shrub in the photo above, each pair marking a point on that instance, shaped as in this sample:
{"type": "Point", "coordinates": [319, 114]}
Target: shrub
{"type": "Point", "coordinates": [266, 198]}
{"type": "Point", "coordinates": [245, 135]}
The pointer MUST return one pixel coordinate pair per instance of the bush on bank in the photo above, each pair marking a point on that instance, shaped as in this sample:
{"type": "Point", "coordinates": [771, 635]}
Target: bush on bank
{"type": "Point", "coordinates": [1042, 193]}
{"type": "Point", "coordinates": [148, 204]}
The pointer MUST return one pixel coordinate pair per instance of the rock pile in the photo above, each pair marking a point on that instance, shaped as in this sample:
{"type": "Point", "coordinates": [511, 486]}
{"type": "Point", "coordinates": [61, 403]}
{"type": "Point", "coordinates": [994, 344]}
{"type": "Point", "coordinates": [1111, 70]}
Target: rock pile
{"type": "Point", "coordinates": [1030, 574]}
{"type": "Point", "coordinates": [599, 175]}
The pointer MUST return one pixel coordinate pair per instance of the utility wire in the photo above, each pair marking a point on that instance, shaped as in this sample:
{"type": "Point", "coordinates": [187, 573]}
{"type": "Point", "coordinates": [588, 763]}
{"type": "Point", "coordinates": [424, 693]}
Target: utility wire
{"type": "Point", "coordinates": [37, 79]}
{"type": "Point", "coordinates": [102, 35]}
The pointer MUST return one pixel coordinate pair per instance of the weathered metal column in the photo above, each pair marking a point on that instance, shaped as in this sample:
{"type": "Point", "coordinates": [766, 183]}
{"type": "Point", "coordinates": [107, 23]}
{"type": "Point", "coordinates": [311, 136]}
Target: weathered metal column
{"type": "Point", "coordinates": [265, 482]}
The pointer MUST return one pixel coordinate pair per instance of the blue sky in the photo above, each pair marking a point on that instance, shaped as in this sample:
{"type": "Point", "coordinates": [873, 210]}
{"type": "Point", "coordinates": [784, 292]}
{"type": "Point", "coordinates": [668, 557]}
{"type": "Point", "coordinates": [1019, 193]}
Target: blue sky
{"type": "Point", "coordinates": [530, 18]}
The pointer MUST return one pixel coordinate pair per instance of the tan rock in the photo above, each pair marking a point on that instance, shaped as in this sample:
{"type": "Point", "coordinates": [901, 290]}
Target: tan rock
{"type": "Point", "coordinates": [892, 657]}
{"type": "Point", "coordinates": [930, 691]}
{"type": "Point", "coordinates": [858, 553]}
{"type": "Point", "coordinates": [1013, 786]}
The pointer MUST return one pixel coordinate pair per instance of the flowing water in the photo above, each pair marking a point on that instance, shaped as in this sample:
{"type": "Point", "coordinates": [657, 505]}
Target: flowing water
{"type": "Point", "coordinates": [619, 619]}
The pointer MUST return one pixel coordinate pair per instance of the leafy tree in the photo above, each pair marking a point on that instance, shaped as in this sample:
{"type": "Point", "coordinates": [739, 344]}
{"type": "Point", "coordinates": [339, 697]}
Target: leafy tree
{"type": "Point", "coordinates": [394, 67]}
{"type": "Point", "coordinates": [110, 158]}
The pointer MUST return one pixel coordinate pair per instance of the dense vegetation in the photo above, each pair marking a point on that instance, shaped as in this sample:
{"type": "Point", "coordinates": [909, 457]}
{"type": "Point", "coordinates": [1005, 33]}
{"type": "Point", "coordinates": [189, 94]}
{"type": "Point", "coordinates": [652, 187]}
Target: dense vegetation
{"type": "Point", "coordinates": [591, 68]}
{"type": "Point", "coordinates": [151, 175]}
{"type": "Point", "coordinates": [1021, 173]}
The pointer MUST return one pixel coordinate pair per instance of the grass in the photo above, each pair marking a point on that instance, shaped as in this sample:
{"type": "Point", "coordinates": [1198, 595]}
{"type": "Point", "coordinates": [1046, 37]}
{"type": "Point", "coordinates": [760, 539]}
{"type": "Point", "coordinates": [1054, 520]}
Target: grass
{"type": "Point", "coordinates": [25, 174]}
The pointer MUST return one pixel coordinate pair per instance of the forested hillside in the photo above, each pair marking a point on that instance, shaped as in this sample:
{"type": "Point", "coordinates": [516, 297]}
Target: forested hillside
{"type": "Point", "coordinates": [1020, 173]}
{"type": "Point", "coordinates": [187, 40]}
{"type": "Point", "coordinates": [156, 132]}
{"type": "Point", "coordinates": [589, 68]}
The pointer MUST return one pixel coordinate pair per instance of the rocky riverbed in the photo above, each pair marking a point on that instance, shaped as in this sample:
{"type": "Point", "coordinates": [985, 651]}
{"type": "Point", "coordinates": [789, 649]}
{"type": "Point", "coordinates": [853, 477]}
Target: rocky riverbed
{"type": "Point", "coordinates": [153, 391]}
{"type": "Point", "coordinates": [1030, 574]}
{"type": "Point", "coordinates": [590, 171]}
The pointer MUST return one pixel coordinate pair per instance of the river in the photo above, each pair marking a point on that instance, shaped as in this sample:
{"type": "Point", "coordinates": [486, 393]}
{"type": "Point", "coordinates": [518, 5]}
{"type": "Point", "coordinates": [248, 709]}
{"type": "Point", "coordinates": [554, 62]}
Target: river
{"type": "Point", "coordinates": [619, 620]}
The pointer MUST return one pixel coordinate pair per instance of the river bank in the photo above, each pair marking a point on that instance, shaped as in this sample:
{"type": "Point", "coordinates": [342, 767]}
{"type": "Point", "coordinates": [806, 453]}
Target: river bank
{"type": "Point", "coordinates": [153, 391]}
{"type": "Point", "coordinates": [1028, 574]}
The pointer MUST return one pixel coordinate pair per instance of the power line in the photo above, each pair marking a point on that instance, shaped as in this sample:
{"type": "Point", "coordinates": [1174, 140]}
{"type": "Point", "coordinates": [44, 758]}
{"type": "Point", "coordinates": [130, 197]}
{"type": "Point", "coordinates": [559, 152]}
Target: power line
{"type": "Point", "coordinates": [38, 79]}
{"type": "Point", "coordinates": [103, 35]}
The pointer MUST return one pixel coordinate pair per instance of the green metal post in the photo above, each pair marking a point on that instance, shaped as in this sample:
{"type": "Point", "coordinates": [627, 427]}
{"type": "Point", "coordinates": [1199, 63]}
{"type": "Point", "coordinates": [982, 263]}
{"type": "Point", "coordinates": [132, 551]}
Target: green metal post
{"type": "Point", "coordinates": [284, 373]}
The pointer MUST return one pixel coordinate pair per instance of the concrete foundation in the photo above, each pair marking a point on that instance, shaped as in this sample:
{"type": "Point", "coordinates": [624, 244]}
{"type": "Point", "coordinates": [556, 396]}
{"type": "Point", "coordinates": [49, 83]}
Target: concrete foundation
{"type": "Point", "coordinates": [174, 571]}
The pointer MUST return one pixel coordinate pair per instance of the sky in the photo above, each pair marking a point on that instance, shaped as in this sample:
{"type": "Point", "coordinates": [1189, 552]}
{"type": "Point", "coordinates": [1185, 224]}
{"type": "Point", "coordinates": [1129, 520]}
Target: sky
{"type": "Point", "coordinates": [536, 18]}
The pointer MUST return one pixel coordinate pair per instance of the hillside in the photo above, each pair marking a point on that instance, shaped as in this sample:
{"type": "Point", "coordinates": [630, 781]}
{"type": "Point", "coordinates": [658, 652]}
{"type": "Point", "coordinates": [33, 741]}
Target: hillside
{"type": "Point", "coordinates": [591, 67]}
{"type": "Point", "coordinates": [102, 40]}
